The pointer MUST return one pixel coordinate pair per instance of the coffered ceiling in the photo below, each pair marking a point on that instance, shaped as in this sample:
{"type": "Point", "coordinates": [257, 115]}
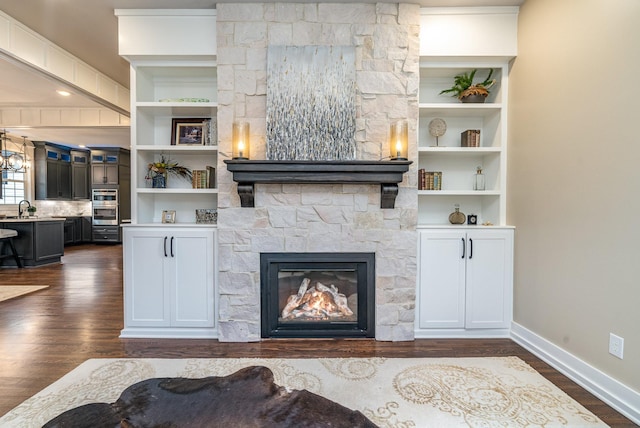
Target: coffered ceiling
{"type": "Point", "coordinates": [89, 31]}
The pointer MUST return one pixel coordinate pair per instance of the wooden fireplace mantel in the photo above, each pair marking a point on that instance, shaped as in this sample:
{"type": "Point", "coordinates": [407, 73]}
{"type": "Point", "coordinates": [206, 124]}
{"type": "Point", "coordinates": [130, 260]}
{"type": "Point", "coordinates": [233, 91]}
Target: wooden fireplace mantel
{"type": "Point", "coordinates": [386, 173]}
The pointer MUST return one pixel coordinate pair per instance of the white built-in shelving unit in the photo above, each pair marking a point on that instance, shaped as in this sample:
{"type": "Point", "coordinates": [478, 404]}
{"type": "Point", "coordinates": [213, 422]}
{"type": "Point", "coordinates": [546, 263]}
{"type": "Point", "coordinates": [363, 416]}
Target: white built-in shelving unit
{"type": "Point", "coordinates": [170, 269]}
{"type": "Point", "coordinates": [465, 281]}
{"type": "Point", "coordinates": [151, 126]}
{"type": "Point", "coordinates": [458, 164]}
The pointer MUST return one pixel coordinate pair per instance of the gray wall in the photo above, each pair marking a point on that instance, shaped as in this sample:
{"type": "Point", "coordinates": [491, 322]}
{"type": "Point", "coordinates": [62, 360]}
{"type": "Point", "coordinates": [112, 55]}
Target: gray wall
{"type": "Point", "coordinates": [574, 178]}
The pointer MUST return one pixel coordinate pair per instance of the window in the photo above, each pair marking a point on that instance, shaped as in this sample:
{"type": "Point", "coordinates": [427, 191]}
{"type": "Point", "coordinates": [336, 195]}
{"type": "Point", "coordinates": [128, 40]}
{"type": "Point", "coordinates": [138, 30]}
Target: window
{"type": "Point", "coordinates": [13, 183]}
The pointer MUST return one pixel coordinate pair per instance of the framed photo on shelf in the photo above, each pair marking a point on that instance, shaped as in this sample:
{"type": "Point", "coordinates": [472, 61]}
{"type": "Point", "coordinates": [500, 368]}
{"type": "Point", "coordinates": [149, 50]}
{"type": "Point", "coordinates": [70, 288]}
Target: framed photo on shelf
{"type": "Point", "coordinates": [186, 131]}
{"type": "Point", "coordinates": [168, 216]}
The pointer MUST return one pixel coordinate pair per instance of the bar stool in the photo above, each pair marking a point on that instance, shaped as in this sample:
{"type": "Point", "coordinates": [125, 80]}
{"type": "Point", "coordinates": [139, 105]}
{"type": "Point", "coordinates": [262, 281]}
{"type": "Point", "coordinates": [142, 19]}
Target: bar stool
{"type": "Point", "coordinates": [6, 236]}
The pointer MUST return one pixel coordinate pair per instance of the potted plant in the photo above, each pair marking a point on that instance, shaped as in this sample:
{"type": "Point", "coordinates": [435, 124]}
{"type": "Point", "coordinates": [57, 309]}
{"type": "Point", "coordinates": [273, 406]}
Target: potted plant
{"type": "Point", "coordinates": [158, 172]}
{"type": "Point", "coordinates": [468, 92]}
{"type": "Point", "coordinates": [32, 210]}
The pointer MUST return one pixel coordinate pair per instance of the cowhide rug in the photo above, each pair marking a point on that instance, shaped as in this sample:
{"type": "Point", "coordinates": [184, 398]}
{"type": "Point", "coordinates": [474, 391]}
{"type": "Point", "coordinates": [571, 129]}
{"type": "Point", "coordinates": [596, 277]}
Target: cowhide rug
{"type": "Point", "coordinates": [246, 398]}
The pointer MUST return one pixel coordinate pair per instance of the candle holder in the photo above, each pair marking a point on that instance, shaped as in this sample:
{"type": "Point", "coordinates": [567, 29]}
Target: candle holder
{"type": "Point", "coordinates": [399, 140]}
{"type": "Point", "coordinates": [240, 140]}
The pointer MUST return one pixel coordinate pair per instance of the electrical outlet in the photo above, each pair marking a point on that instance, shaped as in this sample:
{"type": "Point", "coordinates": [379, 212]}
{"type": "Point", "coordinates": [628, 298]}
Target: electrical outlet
{"type": "Point", "coordinates": [616, 345]}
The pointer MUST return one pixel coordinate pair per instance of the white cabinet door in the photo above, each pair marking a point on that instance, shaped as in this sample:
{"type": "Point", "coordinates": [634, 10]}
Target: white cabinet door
{"type": "Point", "coordinates": [489, 299]}
{"type": "Point", "coordinates": [441, 297]}
{"type": "Point", "coordinates": [169, 277]}
{"type": "Point", "coordinates": [466, 279]}
{"type": "Point", "coordinates": [193, 277]}
{"type": "Point", "coordinates": [146, 296]}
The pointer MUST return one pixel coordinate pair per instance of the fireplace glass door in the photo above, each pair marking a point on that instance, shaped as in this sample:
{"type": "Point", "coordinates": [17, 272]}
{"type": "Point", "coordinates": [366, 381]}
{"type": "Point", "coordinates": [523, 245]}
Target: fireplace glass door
{"type": "Point", "coordinates": [317, 294]}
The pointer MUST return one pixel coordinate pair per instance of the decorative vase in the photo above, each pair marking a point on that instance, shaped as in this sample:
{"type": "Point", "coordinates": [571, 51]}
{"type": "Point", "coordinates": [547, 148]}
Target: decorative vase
{"type": "Point", "coordinates": [159, 181]}
{"type": "Point", "coordinates": [457, 217]}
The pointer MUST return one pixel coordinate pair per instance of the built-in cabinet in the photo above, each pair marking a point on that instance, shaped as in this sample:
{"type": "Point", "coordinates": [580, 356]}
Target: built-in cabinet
{"type": "Point", "coordinates": [169, 276]}
{"type": "Point", "coordinates": [465, 282]}
{"type": "Point", "coordinates": [77, 230]}
{"type": "Point", "coordinates": [52, 171]}
{"type": "Point", "coordinates": [169, 260]}
{"type": "Point", "coordinates": [109, 166]}
{"type": "Point", "coordinates": [80, 180]}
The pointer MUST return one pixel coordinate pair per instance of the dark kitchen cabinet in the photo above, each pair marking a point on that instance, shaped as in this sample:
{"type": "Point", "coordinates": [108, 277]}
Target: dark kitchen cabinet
{"type": "Point", "coordinates": [108, 166]}
{"type": "Point", "coordinates": [61, 173]}
{"type": "Point", "coordinates": [69, 231]}
{"type": "Point", "coordinates": [108, 234]}
{"type": "Point", "coordinates": [77, 230]}
{"type": "Point", "coordinates": [80, 179]}
{"type": "Point", "coordinates": [38, 242]}
{"type": "Point", "coordinates": [86, 229]}
{"type": "Point", "coordinates": [52, 171]}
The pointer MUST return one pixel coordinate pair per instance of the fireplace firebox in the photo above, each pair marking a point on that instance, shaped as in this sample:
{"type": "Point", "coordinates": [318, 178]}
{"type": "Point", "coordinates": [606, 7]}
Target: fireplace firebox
{"type": "Point", "coordinates": [317, 295]}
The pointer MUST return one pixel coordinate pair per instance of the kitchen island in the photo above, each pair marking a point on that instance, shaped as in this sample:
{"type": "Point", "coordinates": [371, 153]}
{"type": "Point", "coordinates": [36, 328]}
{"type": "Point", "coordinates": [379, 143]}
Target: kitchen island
{"type": "Point", "coordinates": [40, 241]}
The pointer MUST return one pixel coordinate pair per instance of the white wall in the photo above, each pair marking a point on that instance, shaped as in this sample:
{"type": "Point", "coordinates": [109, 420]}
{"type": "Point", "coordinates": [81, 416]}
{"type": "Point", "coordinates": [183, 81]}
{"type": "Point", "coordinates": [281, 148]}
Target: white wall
{"type": "Point", "coordinates": [574, 178]}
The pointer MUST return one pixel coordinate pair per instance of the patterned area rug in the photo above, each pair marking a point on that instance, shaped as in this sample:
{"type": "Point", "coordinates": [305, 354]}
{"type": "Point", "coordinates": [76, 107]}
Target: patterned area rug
{"type": "Point", "coordinates": [10, 291]}
{"type": "Point", "coordinates": [391, 392]}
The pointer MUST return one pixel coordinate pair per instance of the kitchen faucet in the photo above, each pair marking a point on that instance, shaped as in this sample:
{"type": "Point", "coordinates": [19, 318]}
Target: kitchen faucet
{"type": "Point", "coordinates": [20, 207]}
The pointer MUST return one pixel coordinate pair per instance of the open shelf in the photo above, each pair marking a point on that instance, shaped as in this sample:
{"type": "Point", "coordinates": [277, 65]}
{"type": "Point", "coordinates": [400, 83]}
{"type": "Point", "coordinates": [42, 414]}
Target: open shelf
{"type": "Point", "coordinates": [456, 163]}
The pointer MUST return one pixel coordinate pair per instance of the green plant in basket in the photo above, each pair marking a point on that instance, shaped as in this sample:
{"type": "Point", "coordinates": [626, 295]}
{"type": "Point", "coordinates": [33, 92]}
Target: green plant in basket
{"type": "Point", "coordinates": [466, 91]}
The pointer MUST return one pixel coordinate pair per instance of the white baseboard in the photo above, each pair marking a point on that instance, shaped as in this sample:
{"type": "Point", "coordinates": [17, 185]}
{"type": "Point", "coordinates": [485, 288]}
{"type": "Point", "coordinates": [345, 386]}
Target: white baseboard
{"type": "Point", "coordinates": [615, 394]}
{"type": "Point", "coordinates": [168, 333]}
{"type": "Point", "coordinates": [461, 333]}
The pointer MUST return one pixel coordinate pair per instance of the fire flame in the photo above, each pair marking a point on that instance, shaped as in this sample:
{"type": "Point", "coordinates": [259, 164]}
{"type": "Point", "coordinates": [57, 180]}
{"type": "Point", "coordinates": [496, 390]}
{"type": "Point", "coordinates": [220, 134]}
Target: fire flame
{"type": "Point", "coordinates": [318, 302]}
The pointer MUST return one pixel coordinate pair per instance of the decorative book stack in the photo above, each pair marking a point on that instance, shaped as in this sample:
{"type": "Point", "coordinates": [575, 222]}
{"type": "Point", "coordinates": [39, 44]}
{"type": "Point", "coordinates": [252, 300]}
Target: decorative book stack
{"type": "Point", "coordinates": [470, 138]}
{"type": "Point", "coordinates": [429, 180]}
{"type": "Point", "coordinates": [203, 178]}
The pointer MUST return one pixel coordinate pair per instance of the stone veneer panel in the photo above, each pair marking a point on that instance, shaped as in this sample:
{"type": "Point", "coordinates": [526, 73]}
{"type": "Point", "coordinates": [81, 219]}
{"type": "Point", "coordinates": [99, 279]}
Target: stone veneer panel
{"type": "Point", "coordinates": [318, 218]}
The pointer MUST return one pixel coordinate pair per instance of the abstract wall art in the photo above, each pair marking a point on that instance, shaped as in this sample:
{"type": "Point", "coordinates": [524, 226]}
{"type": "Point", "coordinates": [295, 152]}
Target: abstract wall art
{"type": "Point", "coordinates": [311, 111]}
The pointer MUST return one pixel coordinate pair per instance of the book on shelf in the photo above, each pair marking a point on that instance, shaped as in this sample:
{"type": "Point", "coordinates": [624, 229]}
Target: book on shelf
{"type": "Point", "coordinates": [212, 177]}
{"type": "Point", "coordinates": [429, 180]}
{"type": "Point", "coordinates": [203, 178]}
{"type": "Point", "coordinates": [470, 138]}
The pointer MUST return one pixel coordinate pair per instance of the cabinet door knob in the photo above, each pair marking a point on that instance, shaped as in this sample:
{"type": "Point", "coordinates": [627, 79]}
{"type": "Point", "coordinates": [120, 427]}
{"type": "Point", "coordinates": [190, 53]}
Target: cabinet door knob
{"type": "Point", "coordinates": [463, 248]}
{"type": "Point", "coordinates": [470, 248]}
{"type": "Point", "coordinates": [172, 246]}
{"type": "Point", "coordinates": [165, 246]}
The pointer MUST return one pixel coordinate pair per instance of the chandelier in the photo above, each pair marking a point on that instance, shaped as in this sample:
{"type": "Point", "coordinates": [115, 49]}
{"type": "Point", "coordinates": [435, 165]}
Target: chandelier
{"type": "Point", "coordinates": [16, 161]}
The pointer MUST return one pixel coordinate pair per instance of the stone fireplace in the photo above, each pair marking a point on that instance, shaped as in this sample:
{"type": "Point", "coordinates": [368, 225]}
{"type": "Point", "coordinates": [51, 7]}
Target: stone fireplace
{"type": "Point", "coordinates": [330, 218]}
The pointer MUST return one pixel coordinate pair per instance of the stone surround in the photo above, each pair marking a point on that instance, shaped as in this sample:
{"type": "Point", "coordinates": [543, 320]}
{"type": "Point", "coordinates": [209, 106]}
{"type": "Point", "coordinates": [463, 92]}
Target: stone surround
{"type": "Point", "coordinates": [328, 217]}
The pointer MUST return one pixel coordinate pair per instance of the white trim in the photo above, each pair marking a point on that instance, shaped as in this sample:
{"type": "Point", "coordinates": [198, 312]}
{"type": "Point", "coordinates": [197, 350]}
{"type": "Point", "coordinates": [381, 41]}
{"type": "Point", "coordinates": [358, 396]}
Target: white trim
{"type": "Point", "coordinates": [614, 393]}
{"type": "Point", "coordinates": [168, 333]}
{"type": "Point", "coordinates": [24, 47]}
{"type": "Point", "coordinates": [455, 333]}
{"type": "Point", "coordinates": [480, 10]}
{"type": "Point", "coordinates": [165, 12]}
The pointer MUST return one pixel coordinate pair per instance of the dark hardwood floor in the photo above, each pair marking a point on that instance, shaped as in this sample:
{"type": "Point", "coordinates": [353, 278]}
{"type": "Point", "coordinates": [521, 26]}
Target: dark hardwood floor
{"type": "Point", "coordinates": [48, 333]}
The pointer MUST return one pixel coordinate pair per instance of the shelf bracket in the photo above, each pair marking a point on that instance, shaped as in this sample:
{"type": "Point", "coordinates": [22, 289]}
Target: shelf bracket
{"type": "Point", "coordinates": [246, 193]}
{"type": "Point", "coordinates": [388, 193]}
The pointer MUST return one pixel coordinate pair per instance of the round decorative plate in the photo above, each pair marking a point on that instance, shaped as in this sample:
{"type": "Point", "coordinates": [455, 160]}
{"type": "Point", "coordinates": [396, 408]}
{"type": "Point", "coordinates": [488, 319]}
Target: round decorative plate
{"type": "Point", "coordinates": [437, 127]}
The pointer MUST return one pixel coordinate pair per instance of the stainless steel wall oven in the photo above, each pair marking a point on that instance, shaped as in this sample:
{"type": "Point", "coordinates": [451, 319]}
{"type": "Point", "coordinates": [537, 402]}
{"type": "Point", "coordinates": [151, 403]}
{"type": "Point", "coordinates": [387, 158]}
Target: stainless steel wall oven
{"type": "Point", "coordinates": [105, 207]}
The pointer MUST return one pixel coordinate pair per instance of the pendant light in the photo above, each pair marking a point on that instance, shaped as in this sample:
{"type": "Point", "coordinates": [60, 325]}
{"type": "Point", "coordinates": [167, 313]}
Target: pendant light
{"type": "Point", "coordinates": [16, 162]}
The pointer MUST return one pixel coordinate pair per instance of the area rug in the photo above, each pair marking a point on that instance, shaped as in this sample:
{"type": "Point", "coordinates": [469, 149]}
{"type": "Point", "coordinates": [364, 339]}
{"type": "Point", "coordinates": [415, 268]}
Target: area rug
{"type": "Point", "coordinates": [10, 291]}
{"type": "Point", "coordinates": [391, 392]}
